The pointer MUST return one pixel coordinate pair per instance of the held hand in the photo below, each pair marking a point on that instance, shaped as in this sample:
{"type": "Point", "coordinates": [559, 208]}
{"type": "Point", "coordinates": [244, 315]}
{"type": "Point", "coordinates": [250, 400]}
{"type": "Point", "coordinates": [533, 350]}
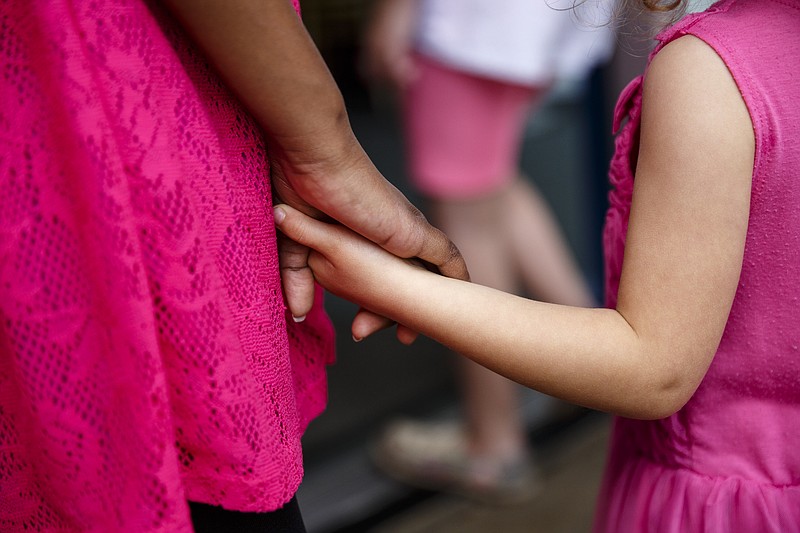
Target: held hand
{"type": "Point", "coordinates": [349, 266]}
{"type": "Point", "coordinates": [296, 278]}
{"type": "Point", "coordinates": [349, 189]}
{"type": "Point", "coordinates": [298, 284]}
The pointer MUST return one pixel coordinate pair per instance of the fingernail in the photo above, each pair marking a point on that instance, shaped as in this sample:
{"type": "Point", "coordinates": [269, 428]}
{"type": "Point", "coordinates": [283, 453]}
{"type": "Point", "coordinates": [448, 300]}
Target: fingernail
{"type": "Point", "coordinates": [298, 318]}
{"type": "Point", "coordinates": [357, 339]}
{"type": "Point", "coordinates": [279, 215]}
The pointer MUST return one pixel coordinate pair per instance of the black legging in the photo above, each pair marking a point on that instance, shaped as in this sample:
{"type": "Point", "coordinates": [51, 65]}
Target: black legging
{"type": "Point", "coordinates": [213, 519]}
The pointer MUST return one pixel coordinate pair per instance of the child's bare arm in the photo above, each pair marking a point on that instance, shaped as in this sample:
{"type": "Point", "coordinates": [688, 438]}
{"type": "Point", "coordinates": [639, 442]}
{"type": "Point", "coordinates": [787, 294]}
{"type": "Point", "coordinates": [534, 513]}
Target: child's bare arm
{"type": "Point", "coordinates": [685, 244]}
{"type": "Point", "coordinates": [506, 333]}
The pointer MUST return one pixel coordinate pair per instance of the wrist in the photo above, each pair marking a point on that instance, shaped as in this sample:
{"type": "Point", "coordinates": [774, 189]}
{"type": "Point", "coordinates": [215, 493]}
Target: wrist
{"type": "Point", "coordinates": [329, 171]}
{"type": "Point", "coordinates": [315, 147]}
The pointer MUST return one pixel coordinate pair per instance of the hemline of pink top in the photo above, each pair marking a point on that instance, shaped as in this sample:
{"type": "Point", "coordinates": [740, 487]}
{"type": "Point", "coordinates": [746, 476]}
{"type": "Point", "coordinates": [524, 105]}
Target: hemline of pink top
{"type": "Point", "coordinates": [730, 459]}
{"type": "Point", "coordinates": [145, 352]}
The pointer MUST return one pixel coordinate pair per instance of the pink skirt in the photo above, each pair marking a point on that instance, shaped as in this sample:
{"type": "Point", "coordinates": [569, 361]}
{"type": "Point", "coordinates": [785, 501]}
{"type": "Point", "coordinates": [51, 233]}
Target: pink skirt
{"type": "Point", "coordinates": [463, 132]}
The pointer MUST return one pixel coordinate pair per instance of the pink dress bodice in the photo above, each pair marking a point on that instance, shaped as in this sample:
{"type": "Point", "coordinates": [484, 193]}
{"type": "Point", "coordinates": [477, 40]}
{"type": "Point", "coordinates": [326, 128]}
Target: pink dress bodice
{"type": "Point", "coordinates": [730, 459]}
{"type": "Point", "coordinates": [145, 355]}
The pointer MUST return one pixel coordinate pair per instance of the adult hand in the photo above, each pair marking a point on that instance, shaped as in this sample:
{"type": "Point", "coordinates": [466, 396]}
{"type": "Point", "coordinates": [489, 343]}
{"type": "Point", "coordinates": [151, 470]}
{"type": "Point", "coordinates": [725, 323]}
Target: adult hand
{"type": "Point", "coordinates": [344, 185]}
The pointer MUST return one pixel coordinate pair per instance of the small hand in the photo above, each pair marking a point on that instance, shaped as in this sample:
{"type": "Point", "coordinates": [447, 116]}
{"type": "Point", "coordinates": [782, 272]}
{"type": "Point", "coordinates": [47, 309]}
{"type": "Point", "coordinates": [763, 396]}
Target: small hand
{"type": "Point", "coordinates": [347, 265]}
{"type": "Point", "coordinates": [298, 279]}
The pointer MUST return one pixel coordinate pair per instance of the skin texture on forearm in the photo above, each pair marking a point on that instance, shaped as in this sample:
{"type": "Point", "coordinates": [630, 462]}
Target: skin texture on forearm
{"type": "Point", "coordinates": [263, 52]}
{"type": "Point", "coordinates": [266, 57]}
{"type": "Point", "coordinates": [577, 354]}
{"type": "Point", "coordinates": [581, 355]}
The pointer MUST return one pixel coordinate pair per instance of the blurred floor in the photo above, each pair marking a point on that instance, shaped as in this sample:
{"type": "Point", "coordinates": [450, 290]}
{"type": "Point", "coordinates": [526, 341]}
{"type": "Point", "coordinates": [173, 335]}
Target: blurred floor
{"type": "Point", "coordinates": [570, 454]}
{"type": "Point", "coordinates": [571, 463]}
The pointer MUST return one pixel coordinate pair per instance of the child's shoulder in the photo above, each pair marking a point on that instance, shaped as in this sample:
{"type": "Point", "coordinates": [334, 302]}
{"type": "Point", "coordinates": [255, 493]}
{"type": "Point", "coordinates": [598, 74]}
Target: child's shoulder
{"type": "Point", "coordinates": [691, 102]}
{"type": "Point", "coordinates": [735, 43]}
{"type": "Point", "coordinates": [684, 67]}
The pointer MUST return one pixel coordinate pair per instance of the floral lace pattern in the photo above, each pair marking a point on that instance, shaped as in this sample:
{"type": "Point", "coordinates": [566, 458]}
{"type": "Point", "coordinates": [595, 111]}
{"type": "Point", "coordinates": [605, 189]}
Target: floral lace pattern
{"type": "Point", "coordinates": [145, 354]}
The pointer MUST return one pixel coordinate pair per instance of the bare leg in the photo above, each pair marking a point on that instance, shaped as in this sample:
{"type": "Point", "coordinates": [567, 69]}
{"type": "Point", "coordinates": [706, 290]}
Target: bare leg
{"type": "Point", "coordinates": [507, 236]}
{"type": "Point", "coordinates": [490, 402]}
{"type": "Point", "coordinates": [539, 249]}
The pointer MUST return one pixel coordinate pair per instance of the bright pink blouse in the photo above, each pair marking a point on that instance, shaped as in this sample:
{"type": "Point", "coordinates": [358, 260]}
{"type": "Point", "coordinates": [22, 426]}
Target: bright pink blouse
{"type": "Point", "coordinates": [145, 354]}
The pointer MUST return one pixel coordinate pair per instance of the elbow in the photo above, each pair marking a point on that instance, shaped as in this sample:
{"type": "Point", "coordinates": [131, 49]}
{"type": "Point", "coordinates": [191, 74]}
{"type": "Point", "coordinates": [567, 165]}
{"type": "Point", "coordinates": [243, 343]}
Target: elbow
{"type": "Point", "coordinates": [663, 397]}
{"type": "Point", "coordinates": [662, 406]}
{"type": "Point", "coordinates": [666, 377]}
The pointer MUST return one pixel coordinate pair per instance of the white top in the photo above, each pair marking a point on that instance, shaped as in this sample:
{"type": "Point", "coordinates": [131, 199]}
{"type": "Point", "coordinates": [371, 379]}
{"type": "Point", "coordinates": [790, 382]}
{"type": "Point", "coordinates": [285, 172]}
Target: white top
{"type": "Point", "coordinates": [531, 42]}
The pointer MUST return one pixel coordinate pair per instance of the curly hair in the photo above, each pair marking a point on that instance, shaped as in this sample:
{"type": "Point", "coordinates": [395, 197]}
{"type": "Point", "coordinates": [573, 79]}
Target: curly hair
{"type": "Point", "coordinates": [662, 6]}
{"type": "Point", "coordinates": [637, 18]}
{"type": "Point", "coordinates": [675, 7]}
{"type": "Point", "coordinates": [651, 15]}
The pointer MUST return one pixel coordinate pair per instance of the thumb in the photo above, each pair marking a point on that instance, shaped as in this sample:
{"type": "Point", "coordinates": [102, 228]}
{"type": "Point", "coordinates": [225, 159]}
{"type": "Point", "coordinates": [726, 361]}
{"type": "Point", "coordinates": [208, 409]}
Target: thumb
{"type": "Point", "coordinates": [296, 277]}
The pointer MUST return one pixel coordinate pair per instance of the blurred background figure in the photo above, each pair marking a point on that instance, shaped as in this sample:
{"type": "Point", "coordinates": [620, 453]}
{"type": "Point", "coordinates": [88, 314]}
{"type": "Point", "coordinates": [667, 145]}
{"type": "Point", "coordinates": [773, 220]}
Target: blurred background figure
{"type": "Point", "coordinates": [566, 146]}
{"type": "Point", "coordinates": [469, 73]}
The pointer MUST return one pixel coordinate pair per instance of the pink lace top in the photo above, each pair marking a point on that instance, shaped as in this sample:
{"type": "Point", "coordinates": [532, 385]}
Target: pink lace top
{"type": "Point", "coordinates": [730, 459]}
{"type": "Point", "coordinates": [145, 355]}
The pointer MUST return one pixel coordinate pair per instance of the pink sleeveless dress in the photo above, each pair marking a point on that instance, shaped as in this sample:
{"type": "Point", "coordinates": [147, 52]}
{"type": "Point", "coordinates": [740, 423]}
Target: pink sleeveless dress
{"type": "Point", "coordinates": [730, 459]}
{"type": "Point", "coordinates": [145, 353]}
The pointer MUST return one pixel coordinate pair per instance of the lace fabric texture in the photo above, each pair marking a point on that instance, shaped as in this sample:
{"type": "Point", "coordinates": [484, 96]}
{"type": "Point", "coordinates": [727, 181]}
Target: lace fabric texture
{"type": "Point", "coordinates": [145, 352]}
